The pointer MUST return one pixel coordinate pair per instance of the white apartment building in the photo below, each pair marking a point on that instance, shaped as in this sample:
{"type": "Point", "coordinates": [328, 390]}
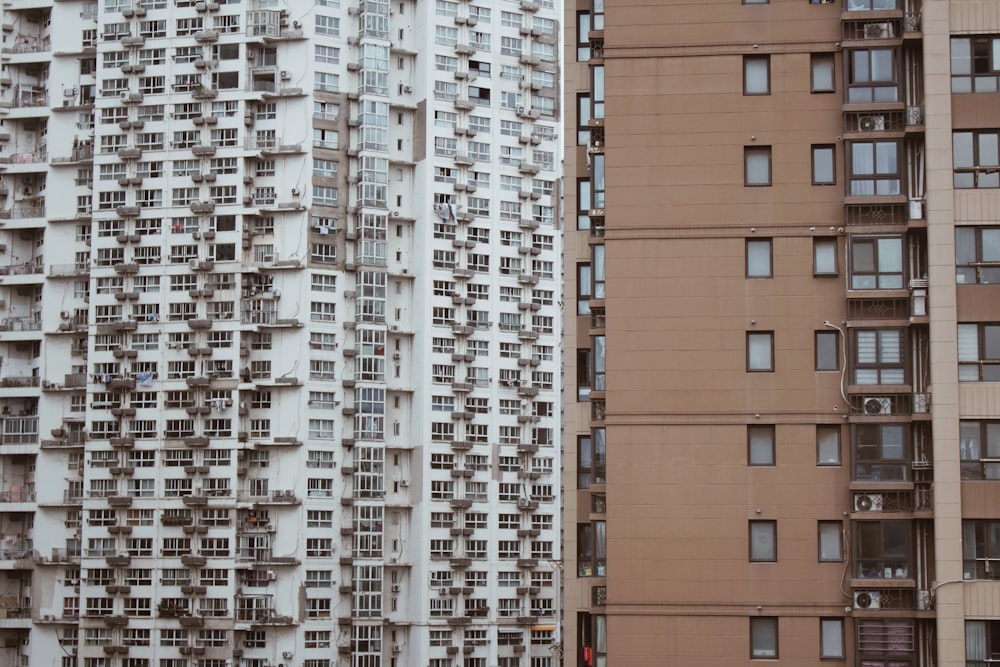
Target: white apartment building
{"type": "Point", "coordinates": [280, 288]}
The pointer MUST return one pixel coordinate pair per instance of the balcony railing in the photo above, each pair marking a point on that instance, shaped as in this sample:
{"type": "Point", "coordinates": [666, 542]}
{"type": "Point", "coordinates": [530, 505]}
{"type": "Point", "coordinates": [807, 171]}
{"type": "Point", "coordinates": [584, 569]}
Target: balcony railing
{"type": "Point", "coordinates": [19, 211]}
{"type": "Point", "coordinates": [23, 269]}
{"type": "Point", "coordinates": [20, 324]}
{"type": "Point", "coordinates": [16, 549]}
{"type": "Point", "coordinates": [13, 382]}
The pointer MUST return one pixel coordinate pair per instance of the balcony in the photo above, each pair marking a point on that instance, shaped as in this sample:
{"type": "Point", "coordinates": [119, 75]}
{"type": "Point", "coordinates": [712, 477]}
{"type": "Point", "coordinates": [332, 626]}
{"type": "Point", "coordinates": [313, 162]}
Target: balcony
{"type": "Point", "coordinates": [19, 430]}
{"type": "Point", "coordinates": [22, 212]}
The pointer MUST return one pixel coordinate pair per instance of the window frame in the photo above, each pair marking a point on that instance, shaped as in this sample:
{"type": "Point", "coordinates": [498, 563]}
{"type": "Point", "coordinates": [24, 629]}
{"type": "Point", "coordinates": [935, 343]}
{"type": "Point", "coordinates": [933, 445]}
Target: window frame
{"type": "Point", "coordinates": [767, 624]}
{"type": "Point", "coordinates": [832, 149]}
{"type": "Point", "coordinates": [825, 242]}
{"type": "Point", "coordinates": [976, 263]}
{"type": "Point", "coordinates": [822, 59]}
{"type": "Point", "coordinates": [825, 334]}
{"type": "Point", "coordinates": [837, 623]}
{"type": "Point", "coordinates": [770, 337]}
{"type": "Point", "coordinates": [751, 274]}
{"type": "Point", "coordinates": [857, 181]}
{"type": "Point", "coordinates": [974, 439]}
{"type": "Point", "coordinates": [975, 168]}
{"type": "Point", "coordinates": [750, 62]}
{"type": "Point", "coordinates": [750, 152]}
{"type": "Point", "coordinates": [753, 553]}
{"type": "Point", "coordinates": [830, 526]}
{"type": "Point", "coordinates": [877, 274]}
{"type": "Point", "coordinates": [829, 429]}
{"type": "Point", "coordinates": [762, 434]}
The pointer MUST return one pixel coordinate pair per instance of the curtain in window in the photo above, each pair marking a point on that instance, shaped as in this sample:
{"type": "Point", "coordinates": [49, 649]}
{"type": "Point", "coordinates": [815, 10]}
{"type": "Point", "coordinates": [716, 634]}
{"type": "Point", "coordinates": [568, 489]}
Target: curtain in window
{"type": "Point", "coordinates": [832, 638]}
{"type": "Point", "coordinates": [975, 640]}
{"type": "Point", "coordinates": [890, 263]}
{"type": "Point", "coordinates": [886, 164]}
{"type": "Point", "coordinates": [866, 354]}
{"type": "Point", "coordinates": [862, 164]}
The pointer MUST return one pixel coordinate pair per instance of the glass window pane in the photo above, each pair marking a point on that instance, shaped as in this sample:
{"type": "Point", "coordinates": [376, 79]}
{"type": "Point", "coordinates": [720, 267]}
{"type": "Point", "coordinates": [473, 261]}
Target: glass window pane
{"type": "Point", "coordinates": [961, 56]}
{"type": "Point", "coordinates": [830, 544]}
{"type": "Point", "coordinates": [759, 258]}
{"type": "Point", "coordinates": [832, 633]}
{"type": "Point", "coordinates": [762, 541]}
{"type": "Point", "coordinates": [760, 445]}
{"type": "Point", "coordinates": [823, 165]}
{"type": "Point", "coordinates": [759, 352]}
{"type": "Point", "coordinates": [825, 257]}
{"type": "Point", "coordinates": [827, 445]}
{"type": "Point", "coordinates": [764, 637]}
{"type": "Point", "coordinates": [827, 354]}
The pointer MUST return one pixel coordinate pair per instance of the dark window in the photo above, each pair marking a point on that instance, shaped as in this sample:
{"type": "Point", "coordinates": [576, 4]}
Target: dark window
{"type": "Point", "coordinates": [882, 550]}
{"type": "Point", "coordinates": [584, 461]}
{"type": "Point", "coordinates": [591, 549]}
{"type": "Point", "coordinates": [982, 643]}
{"type": "Point", "coordinates": [976, 159]}
{"type": "Point", "coordinates": [584, 359]}
{"type": "Point", "coordinates": [827, 351]}
{"type": "Point", "coordinates": [977, 255]}
{"type": "Point", "coordinates": [880, 453]}
{"type": "Point", "coordinates": [760, 446]}
{"type": "Point", "coordinates": [981, 549]}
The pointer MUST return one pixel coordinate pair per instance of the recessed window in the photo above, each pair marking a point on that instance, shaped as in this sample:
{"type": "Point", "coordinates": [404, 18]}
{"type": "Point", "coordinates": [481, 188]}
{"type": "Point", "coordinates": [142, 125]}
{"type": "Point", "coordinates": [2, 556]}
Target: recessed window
{"type": "Point", "coordinates": [980, 454]}
{"type": "Point", "coordinates": [831, 632]}
{"type": "Point", "coordinates": [760, 445]}
{"type": "Point", "coordinates": [823, 165]}
{"type": "Point", "coordinates": [756, 75]}
{"type": "Point", "coordinates": [831, 544]}
{"type": "Point", "coordinates": [763, 541]}
{"type": "Point", "coordinates": [871, 76]}
{"type": "Point", "coordinates": [874, 169]}
{"type": "Point", "coordinates": [757, 165]}
{"type": "Point", "coordinates": [877, 262]}
{"type": "Point", "coordinates": [975, 64]}
{"type": "Point", "coordinates": [584, 282]}
{"type": "Point", "coordinates": [979, 352]}
{"type": "Point", "coordinates": [759, 258]}
{"type": "Point", "coordinates": [764, 637]}
{"type": "Point", "coordinates": [827, 352]}
{"type": "Point", "coordinates": [880, 453]}
{"type": "Point", "coordinates": [822, 67]}
{"type": "Point", "coordinates": [827, 445]}
{"type": "Point", "coordinates": [825, 257]}
{"type": "Point", "coordinates": [879, 358]}
{"type": "Point", "coordinates": [976, 158]}
{"type": "Point", "coordinates": [760, 351]}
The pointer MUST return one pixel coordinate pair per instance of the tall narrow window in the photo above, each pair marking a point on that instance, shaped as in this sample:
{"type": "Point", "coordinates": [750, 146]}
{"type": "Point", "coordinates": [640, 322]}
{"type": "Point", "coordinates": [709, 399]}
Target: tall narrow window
{"type": "Point", "coordinates": [757, 165]}
{"type": "Point", "coordinates": [827, 352]}
{"type": "Point", "coordinates": [827, 445]}
{"type": "Point", "coordinates": [831, 632]}
{"type": "Point", "coordinates": [823, 165]}
{"type": "Point", "coordinates": [584, 282]}
{"type": "Point", "coordinates": [763, 541]}
{"type": "Point", "coordinates": [822, 67]}
{"type": "Point", "coordinates": [759, 258]}
{"type": "Point", "coordinates": [756, 75]}
{"type": "Point", "coordinates": [760, 351]}
{"type": "Point", "coordinates": [764, 637]}
{"type": "Point", "coordinates": [831, 544]}
{"type": "Point", "coordinates": [825, 257]}
{"type": "Point", "coordinates": [760, 445]}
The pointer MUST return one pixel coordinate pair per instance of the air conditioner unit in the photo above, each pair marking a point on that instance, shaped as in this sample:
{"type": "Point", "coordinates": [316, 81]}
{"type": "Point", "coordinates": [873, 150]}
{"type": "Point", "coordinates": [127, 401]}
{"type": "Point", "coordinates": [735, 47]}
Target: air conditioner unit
{"type": "Point", "coordinates": [520, 110]}
{"type": "Point", "coordinates": [396, 648]}
{"type": "Point", "coordinates": [871, 123]}
{"type": "Point", "coordinates": [286, 75]}
{"type": "Point", "coordinates": [397, 355]}
{"type": "Point", "coordinates": [868, 502]}
{"type": "Point", "coordinates": [396, 588]}
{"type": "Point", "coordinates": [442, 591]}
{"type": "Point", "coordinates": [407, 88]}
{"type": "Point", "coordinates": [878, 31]}
{"type": "Point", "coordinates": [65, 314]}
{"type": "Point", "coordinates": [404, 483]}
{"type": "Point", "coordinates": [287, 655]}
{"type": "Point", "coordinates": [866, 600]}
{"type": "Point", "coordinates": [124, 95]}
{"type": "Point", "coordinates": [193, 264]}
{"type": "Point", "coordinates": [878, 405]}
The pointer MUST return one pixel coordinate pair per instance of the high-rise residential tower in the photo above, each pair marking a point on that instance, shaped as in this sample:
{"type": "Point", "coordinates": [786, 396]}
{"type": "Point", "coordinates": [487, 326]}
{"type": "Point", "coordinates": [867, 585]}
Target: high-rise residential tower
{"type": "Point", "coordinates": [784, 436]}
{"type": "Point", "coordinates": [279, 335]}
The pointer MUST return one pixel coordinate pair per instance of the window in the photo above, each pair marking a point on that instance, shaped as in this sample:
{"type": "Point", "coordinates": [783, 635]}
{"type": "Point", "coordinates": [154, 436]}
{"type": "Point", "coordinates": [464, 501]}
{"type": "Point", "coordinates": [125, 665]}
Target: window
{"type": "Point", "coordinates": [757, 165]}
{"type": "Point", "coordinates": [760, 445]}
{"type": "Point", "coordinates": [981, 548]}
{"type": "Point", "coordinates": [982, 642]}
{"type": "Point", "coordinates": [827, 355]}
{"type": "Point", "coordinates": [827, 445]}
{"type": "Point", "coordinates": [758, 258]}
{"type": "Point", "coordinates": [831, 633]}
{"type": "Point", "coordinates": [976, 158]}
{"type": "Point", "coordinates": [880, 453]}
{"type": "Point", "coordinates": [760, 351]}
{"type": "Point", "coordinates": [822, 67]}
{"type": "Point", "coordinates": [874, 169]}
{"type": "Point", "coordinates": [882, 549]}
{"type": "Point", "coordinates": [871, 76]}
{"type": "Point", "coordinates": [878, 357]}
{"type": "Point", "coordinates": [756, 2]}
{"type": "Point", "coordinates": [979, 352]}
{"type": "Point", "coordinates": [763, 541]}
{"type": "Point", "coordinates": [877, 262]}
{"type": "Point", "coordinates": [756, 75]}
{"type": "Point", "coordinates": [831, 546]}
{"type": "Point", "coordinates": [823, 165]}
{"type": "Point", "coordinates": [763, 634]}
{"type": "Point", "coordinates": [825, 257]}
{"type": "Point", "coordinates": [980, 449]}
{"type": "Point", "coordinates": [870, 5]}
{"type": "Point", "coordinates": [977, 255]}
{"type": "Point", "coordinates": [975, 64]}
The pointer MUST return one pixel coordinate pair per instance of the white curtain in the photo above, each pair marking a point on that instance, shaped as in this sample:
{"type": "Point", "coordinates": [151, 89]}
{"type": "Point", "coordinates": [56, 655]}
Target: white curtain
{"type": "Point", "coordinates": [975, 640]}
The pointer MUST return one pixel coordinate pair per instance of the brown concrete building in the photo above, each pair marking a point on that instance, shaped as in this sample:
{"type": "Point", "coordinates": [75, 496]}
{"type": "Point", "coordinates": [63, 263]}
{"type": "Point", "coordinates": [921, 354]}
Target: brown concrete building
{"type": "Point", "coordinates": [783, 252]}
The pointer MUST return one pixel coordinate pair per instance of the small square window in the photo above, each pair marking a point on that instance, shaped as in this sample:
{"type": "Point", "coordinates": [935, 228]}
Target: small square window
{"type": "Point", "coordinates": [823, 165]}
{"type": "Point", "coordinates": [760, 445]}
{"type": "Point", "coordinates": [824, 257]}
{"type": "Point", "coordinates": [756, 75]}
{"type": "Point", "coordinates": [757, 165]}
{"type": "Point", "coordinates": [827, 353]}
{"type": "Point", "coordinates": [759, 258]}
{"type": "Point", "coordinates": [760, 351]}
{"type": "Point", "coordinates": [827, 445]}
{"type": "Point", "coordinates": [763, 541]}
{"type": "Point", "coordinates": [831, 546]}
{"type": "Point", "coordinates": [764, 637]}
{"type": "Point", "coordinates": [822, 65]}
{"type": "Point", "coordinates": [831, 632]}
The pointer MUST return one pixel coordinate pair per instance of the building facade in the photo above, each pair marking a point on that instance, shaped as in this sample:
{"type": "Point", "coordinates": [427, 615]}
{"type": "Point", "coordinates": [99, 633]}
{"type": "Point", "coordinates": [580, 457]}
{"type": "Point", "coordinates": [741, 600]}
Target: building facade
{"type": "Point", "coordinates": [280, 333]}
{"type": "Point", "coordinates": [786, 338]}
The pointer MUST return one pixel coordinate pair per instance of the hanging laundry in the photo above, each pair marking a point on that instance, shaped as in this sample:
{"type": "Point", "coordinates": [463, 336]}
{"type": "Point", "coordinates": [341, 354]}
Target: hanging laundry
{"type": "Point", "coordinates": [145, 378]}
